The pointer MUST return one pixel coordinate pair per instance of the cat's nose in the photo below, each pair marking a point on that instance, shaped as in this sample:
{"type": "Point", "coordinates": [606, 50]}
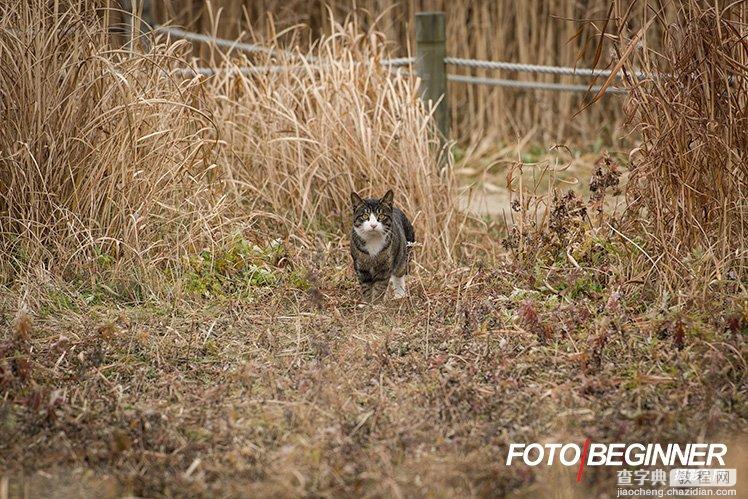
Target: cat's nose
{"type": "Point", "coordinates": [373, 225]}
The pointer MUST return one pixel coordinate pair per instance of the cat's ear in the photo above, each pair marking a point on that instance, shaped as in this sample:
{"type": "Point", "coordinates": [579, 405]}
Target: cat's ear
{"type": "Point", "coordinates": [356, 200]}
{"type": "Point", "coordinates": [387, 198]}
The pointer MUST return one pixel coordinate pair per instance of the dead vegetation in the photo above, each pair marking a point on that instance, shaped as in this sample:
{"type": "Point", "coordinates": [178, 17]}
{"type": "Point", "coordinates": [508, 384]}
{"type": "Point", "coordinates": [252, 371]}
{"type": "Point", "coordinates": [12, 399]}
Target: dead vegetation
{"type": "Point", "coordinates": [300, 141]}
{"type": "Point", "coordinates": [178, 315]}
{"type": "Point", "coordinates": [106, 161]}
{"type": "Point", "coordinates": [689, 175]}
{"type": "Point", "coordinates": [116, 163]}
{"type": "Point", "coordinates": [546, 32]}
{"type": "Point", "coordinates": [285, 395]}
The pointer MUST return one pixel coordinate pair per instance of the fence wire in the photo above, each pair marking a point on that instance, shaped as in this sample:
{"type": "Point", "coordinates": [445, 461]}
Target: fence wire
{"type": "Point", "coordinates": [399, 62]}
{"type": "Point", "coordinates": [228, 44]}
{"type": "Point", "coordinates": [245, 71]}
{"type": "Point", "coordinates": [536, 85]}
{"type": "Point", "coordinates": [532, 68]}
{"type": "Point", "coordinates": [259, 70]}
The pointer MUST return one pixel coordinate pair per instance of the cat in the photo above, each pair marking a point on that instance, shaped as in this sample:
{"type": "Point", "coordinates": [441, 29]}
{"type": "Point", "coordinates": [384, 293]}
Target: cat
{"type": "Point", "coordinates": [381, 238]}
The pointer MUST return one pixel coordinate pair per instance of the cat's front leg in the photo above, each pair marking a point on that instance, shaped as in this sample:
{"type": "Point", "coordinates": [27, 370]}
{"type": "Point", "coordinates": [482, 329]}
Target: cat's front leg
{"type": "Point", "coordinates": [378, 290]}
{"type": "Point", "coordinates": [366, 290]}
{"type": "Point", "coordinates": [398, 286]}
{"type": "Point", "coordinates": [367, 283]}
{"type": "Point", "coordinates": [373, 291]}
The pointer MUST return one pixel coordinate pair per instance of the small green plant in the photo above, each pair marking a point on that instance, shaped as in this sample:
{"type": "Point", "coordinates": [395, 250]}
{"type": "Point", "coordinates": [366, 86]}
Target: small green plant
{"type": "Point", "coordinates": [243, 265]}
{"type": "Point", "coordinates": [585, 286]}
{"type": "Point", "coordinates": [299, 280]}
{"type": "Point", "coordinates": [103, 259]}
{"type": "Point", "coordinates": [534, 155]}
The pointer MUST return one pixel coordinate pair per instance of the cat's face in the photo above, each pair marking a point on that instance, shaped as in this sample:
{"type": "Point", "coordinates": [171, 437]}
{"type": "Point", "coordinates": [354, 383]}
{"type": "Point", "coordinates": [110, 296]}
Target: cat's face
{"type": "Point", "coordinates": [372, 218]}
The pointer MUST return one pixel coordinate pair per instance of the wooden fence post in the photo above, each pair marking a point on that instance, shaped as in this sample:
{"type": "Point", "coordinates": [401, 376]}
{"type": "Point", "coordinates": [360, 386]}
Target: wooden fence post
{"type": "Point", "coordinates": [431, 43]}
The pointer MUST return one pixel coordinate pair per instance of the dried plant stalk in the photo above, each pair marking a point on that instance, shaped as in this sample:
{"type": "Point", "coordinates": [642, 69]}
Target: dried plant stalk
{"type": "Point", "coordinates": [689, 181]}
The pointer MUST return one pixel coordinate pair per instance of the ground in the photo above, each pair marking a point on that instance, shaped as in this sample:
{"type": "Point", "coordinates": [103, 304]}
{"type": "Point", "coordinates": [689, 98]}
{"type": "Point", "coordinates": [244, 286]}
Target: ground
{"type": "Point", "coordinates": [291, 387]}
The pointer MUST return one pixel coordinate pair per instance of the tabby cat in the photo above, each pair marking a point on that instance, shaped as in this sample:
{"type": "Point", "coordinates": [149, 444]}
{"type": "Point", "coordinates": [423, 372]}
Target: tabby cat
{"type": "Point", "coordinates": [380, 245]}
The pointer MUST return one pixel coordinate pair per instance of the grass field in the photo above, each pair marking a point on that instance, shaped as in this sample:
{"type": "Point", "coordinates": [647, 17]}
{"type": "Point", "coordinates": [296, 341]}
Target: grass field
{"type": "Point", "coordinates": [179, 315]}
{"type": "Point", "coordinates": [292, 391]}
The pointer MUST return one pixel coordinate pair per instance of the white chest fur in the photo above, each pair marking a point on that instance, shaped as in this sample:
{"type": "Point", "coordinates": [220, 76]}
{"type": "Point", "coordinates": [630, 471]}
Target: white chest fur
{"type": "Point", "coordinates": [375, 244]}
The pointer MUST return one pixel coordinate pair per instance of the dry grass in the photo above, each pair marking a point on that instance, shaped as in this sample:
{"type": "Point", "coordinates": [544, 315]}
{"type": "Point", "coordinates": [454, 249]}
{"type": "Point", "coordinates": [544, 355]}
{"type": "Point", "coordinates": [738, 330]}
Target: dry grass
{"type": "Point", "coordinates": [178, 314]}
{"type": "Point", "coordinates": [103, 158]}
{"type": "Point", "coordinates": [115, 163]}
{"type": "Point", "coordinates": [302, 140]}
{"type": "Point", "coordinates": [550, 32]}
{"type": "Point", "coordinates": [689, 175]}
{"type": "Point", "coordinates": [296, 393]}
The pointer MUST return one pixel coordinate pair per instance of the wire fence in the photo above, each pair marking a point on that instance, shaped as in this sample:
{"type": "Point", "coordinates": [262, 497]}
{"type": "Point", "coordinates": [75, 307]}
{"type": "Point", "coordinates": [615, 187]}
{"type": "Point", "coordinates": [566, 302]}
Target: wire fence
{"type": "Point", "coordinates": [532, 68]}
{"type": "Point", "coordinates": [535, 85]}
{"type": "Point", "coordinates": [228, 44]}
{"type": "Point", "coordinates": [404, 62]}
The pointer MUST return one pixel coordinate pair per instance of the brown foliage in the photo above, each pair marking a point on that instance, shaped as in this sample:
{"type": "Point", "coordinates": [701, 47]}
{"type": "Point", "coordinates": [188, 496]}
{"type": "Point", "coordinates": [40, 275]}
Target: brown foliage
{"type": "Point", "coordinates": [115, 162]}
{"type": "Point", "coordinates": [549, 32]}
{"type": "Point", "coordinates": [689, 176]}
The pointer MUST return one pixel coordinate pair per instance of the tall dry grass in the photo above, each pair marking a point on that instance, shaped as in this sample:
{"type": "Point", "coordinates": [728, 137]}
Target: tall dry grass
{"type": "Point", "coordinates": [102, 154]}
{"type": "Point", "coordinates": [551, 32]}
{"type": "Point", "coordinates": [302, 140]}
{"type": "Point", "coordinates": [113, 158]}
{"type": "Point", "coordinates": [689, 176]}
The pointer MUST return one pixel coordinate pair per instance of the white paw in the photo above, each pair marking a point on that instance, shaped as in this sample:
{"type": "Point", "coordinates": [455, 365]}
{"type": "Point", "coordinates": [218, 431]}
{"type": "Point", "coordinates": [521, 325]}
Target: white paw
{"type": "Point", "coordinates": [398, 287]}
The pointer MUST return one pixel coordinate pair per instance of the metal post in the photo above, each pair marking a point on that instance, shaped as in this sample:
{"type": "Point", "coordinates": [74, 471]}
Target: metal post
{"type": "Point", "coordinates": [431, 49]}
